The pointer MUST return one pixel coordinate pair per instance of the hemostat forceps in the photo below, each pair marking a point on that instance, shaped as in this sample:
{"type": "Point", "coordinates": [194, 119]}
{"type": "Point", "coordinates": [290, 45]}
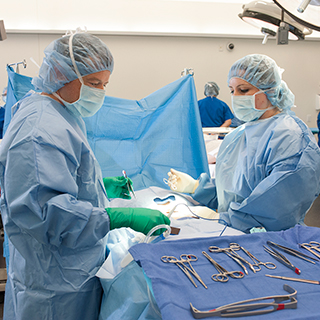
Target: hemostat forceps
{"type": "Point", "coordinates": [185, 265]}
{"type": "Point", "coordinates": [257, 262]}
{"type": "Point", "coordinates": [232, 254]}
{"type": "Point", "coordinates": [312, 245]}
{"type": "Point", "coordinates": [223, 274]}
{"type": "Point", "coordinates": [247, 308]}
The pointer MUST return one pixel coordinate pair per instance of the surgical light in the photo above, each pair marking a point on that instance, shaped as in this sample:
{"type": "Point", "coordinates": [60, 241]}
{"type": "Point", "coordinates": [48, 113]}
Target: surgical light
{"type": "Point", "coordinates": [3, 34]}
{"type": "Point", "coordinates": [306, 12]}
{"type": "Point", "coordinates": [271, 21]}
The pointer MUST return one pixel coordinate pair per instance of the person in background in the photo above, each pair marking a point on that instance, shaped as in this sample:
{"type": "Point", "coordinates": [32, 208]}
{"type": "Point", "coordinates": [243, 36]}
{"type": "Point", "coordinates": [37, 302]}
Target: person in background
{"type": "Point", "coordinates": [213, 111]}
{"type": "Point", "coordinates": [54, 204]}
{"type": "Point", "coordinates": [3, 110]}
{"type": "Point", "coordinates": [318, 124]}
{"type": "Point", "coordinates": [268, 169]}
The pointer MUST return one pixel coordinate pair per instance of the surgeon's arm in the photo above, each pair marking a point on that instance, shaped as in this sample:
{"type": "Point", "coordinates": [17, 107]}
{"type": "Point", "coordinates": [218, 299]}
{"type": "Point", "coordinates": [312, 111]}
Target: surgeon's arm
{"type": "Point", "coordinates": [227, 123]}
{"type": "Point", "coordinates": [42, 197]}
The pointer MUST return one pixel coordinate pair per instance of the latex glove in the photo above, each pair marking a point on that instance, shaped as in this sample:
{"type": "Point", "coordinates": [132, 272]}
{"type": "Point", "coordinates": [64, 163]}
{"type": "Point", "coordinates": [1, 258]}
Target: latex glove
{"type": "Point", "coordinates": [182, 182]}
{"type": "Point", "coordinates": [117, 187]}
{"type": "Point", "coordinates": [138, 219]}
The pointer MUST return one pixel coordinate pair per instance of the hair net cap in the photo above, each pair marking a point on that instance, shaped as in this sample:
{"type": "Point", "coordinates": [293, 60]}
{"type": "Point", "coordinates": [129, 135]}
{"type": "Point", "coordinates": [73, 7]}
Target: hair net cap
{"type": "Point", "coordinates": [90, 53]}
{"type": "Point", "coordinates": [262, 72]}
{"type": "Point", "coordinates": [211, 89]}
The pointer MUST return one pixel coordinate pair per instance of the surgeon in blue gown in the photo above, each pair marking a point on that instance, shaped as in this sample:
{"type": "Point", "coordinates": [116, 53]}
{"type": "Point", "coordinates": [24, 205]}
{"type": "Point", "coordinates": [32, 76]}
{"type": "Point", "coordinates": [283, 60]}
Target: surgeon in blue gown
{"type": "Point", "coordinates": [268, 169]}
{"type": "Point", "coordinates": [54, 204]}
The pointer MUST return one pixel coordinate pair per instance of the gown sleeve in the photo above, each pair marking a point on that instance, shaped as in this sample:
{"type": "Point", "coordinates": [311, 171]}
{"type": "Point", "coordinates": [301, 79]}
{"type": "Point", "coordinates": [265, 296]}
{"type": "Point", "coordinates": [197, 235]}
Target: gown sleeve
{"type": "Point", "coordinates": [41, 184]}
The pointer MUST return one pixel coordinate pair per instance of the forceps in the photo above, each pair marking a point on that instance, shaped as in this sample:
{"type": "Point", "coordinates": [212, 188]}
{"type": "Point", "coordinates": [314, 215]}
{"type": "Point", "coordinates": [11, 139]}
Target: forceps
{"type": "Point", "coordinates": [312, 245]}
{"type": "Point", "coordinates": [293, 252]}
{"type": "Point", "coordinates": [187, 269]}
{"type": "Point", "coordinates": [281, 258]}
{"type": "Point", "coordinates": [230, 252]}
{"type": "Point", "coordinates": [257, 262]}
{"type": "Point", "coordinates": [223, 274]}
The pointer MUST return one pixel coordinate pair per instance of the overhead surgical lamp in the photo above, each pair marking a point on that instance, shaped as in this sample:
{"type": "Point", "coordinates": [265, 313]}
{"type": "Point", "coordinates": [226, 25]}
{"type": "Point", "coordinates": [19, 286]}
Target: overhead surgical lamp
{"type": "Point", "coordinates": [3, 34]}
{"type": "Point", "coordinates": [305, 12]}
{"type": "Point", "coordinates": [272, 21]}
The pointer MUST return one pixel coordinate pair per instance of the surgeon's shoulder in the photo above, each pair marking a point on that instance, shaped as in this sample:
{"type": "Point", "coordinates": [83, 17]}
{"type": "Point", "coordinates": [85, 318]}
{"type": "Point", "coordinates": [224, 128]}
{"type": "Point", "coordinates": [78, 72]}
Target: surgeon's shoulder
{"type": "Point", "coordinates": [294, 123]}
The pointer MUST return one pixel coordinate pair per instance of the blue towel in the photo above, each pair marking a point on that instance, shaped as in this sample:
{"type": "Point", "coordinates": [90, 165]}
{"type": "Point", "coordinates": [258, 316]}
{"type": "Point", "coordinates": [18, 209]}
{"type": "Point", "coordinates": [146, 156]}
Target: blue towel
{"type": "Point", "coordinates": [173, 291]}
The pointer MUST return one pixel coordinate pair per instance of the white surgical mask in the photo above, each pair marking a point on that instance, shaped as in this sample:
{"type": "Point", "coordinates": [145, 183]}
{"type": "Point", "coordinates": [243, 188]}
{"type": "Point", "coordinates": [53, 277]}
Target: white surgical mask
{"type": "Point", "coordinates": [244, 107]}
{"type": "Point", "coordinates": [89, 102]}
{"type": "Point", "coordinates": [90, 99]}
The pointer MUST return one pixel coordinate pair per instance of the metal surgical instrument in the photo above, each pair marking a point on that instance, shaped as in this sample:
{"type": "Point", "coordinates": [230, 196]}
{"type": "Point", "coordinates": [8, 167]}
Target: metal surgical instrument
{"type": "Point", "coordinates": [232, 254]}
{"type": "Point", "coordinates": [294, 279]}
{"type": "Point", "coordinates": [281, 258]}
{"type": "Point", "coordinates": [185, 265]}
{"type": "Point", "coordinates": [247, 308]}
{"type": "Point", "coordinates": [223, 274]}
{"type": "Point", "coordinates": [128, 183]}
{"type": "Point", "coordinates": [293, 252]}
{"type": "Point", "coordinates": [312, 245]}
{"type": "Point", "coordinates": [257, 262]}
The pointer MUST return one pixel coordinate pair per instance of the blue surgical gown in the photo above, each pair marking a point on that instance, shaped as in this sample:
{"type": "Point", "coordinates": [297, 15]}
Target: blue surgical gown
{"type": "Point", "coordinates": [213, 112]}
{"type": "Point", "coordinates": [267, 174]}
{"type": "Point", "coordinates": [318, 124]}
{"type": "Point", "coordinates": [52, 206]}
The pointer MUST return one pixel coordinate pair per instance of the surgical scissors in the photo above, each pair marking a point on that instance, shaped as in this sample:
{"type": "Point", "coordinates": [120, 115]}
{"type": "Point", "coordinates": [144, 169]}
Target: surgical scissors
{"type": "Point", "coordinates": [223, 274]}
{"type": "Point", "coordinates": [312, 245]}
{"type": "Point", "coordinates": [257, 262]}
{"type": "Point", "coordinates": [230, 251]}
{"type": "Point", "coordinates": [187, 269]}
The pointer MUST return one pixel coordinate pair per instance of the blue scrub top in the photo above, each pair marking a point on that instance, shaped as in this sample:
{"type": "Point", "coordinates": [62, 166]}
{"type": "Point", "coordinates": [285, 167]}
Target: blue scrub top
{"type": "Point", "coordinates": [213, 112]}
{"type": "Point", "coordinates": [318, 123]}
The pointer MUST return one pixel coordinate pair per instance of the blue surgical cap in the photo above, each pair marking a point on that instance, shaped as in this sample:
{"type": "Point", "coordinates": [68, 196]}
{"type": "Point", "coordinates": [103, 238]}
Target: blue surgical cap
{"type": "Point", "coordinates": [90, 53]}
{"type": "Point", "coordinates": [211, 89]}
{"type": "Point", "coordinates": [262, 72]}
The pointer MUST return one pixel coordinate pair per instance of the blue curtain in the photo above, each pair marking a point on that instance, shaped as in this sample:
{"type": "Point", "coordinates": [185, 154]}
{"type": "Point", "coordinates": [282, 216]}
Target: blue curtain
{"type": "Point", "coordinates": [18, 86]}
{"type": "Point", "coordinates": [145, 137]}
{"type": "Point", "coordinates": [149, 136]}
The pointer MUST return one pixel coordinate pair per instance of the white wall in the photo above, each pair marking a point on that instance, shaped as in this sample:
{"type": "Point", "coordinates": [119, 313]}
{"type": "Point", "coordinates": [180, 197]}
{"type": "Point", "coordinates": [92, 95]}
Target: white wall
{"type": "Point", "coordinates": [144, 64]}
{"type": "Point", "coordinates": [154, 40]}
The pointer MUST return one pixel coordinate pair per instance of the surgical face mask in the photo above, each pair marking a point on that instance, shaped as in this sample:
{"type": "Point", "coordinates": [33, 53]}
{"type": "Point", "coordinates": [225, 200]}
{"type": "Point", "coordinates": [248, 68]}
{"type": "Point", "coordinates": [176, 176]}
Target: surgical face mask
{"type": "Point", "coordinates": [244, 107]}
{"type": "Point", "coordinates": [90, 99]}
{"type": "Point", "coordinates": [89, 102]}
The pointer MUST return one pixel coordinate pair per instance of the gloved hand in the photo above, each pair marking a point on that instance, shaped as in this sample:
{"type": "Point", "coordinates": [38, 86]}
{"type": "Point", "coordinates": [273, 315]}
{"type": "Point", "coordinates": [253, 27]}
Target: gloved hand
{"type": "Point", "coordinates": [117, 187]}
{"type": "Point", "coordinates": [182, 182]}
{"type": "Point", "coordinates": [138, 219]}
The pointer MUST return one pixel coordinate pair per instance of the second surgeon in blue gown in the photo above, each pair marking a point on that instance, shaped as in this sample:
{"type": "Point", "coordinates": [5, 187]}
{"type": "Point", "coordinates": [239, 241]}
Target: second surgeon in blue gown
{"type": "Point", "coordinates": [54, 204]}
{"type": "Point", "coordinates": [268, 169]}
{"type": "Point", "coordinates": [213, 111]}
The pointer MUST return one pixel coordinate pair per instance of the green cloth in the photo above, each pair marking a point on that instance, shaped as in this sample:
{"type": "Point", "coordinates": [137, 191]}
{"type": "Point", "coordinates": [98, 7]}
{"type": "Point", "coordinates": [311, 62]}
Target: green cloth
{"type": "Point", "coordinates": [117, 187]}
{"type": "Point", "coordinates": [138, 219]}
